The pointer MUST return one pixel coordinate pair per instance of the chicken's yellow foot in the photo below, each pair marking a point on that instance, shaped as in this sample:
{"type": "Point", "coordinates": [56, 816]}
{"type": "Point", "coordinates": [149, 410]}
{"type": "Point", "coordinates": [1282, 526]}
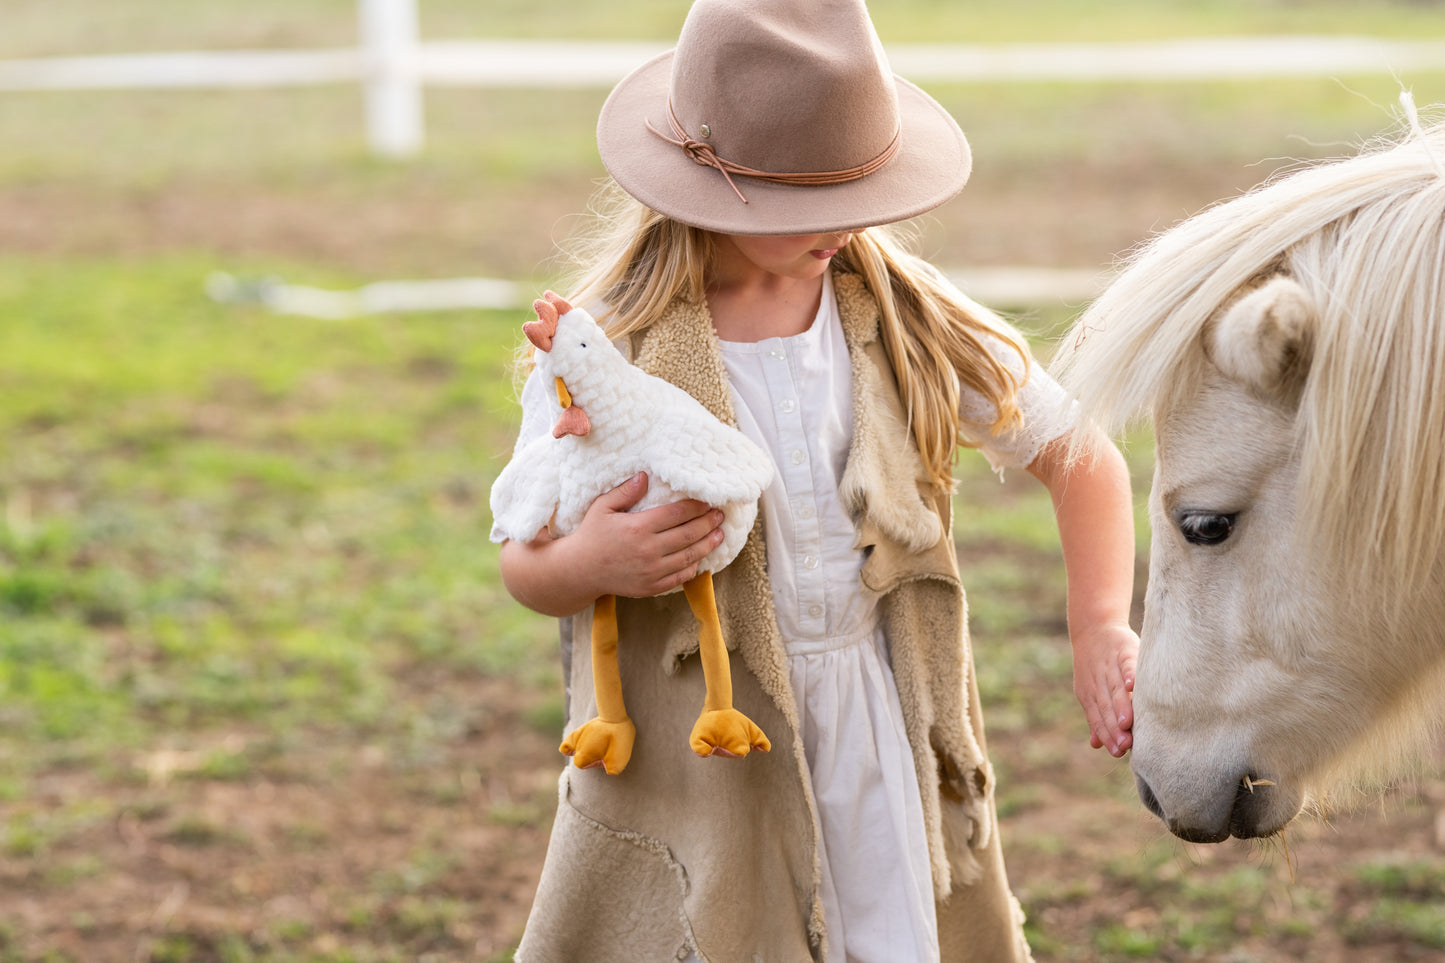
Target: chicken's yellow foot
{"type": "Point", "coordinates": [728, 733]}
{"type": "Point", "coordinates": [720, 730]}
{"type": "Point", "coordinates": [598, 742]}
{"type": "Point", "coordinates": [606, 740]}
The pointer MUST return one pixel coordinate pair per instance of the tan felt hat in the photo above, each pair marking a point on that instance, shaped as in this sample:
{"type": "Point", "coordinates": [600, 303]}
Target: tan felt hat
{"type": "Point", "coordinates": [779, 117]}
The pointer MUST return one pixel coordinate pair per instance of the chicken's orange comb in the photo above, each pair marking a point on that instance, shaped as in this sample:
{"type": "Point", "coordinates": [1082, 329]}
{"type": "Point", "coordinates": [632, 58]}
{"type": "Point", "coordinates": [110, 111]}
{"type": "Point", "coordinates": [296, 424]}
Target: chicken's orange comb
{"type": "Point", "coordinates": [541, 331]}
{"type": "Point", "coordinates": [557, 301]}
{"type": "Point", "coordinates": [549, 307]}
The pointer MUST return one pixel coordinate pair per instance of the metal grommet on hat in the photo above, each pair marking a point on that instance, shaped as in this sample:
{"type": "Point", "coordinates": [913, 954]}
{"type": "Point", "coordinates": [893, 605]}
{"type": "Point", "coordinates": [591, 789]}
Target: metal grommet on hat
{"type": "Point", "coordinates": [779, 117]}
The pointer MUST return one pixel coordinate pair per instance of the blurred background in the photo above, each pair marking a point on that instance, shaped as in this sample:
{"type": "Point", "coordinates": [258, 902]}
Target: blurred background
{"type": "Point", "coordinates": [262, 695]}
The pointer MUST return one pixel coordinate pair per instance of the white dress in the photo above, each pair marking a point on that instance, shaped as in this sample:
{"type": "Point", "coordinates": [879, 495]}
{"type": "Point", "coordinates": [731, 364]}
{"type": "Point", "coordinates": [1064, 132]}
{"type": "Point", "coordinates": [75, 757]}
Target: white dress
{"type": "Point", "coordinates": [793, 397]}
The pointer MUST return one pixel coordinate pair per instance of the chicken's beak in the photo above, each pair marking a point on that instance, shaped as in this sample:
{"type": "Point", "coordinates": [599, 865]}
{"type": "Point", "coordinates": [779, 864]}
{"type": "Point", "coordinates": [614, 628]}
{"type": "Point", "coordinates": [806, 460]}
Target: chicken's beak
{"type": "Point", "coordinates": [574, 420]}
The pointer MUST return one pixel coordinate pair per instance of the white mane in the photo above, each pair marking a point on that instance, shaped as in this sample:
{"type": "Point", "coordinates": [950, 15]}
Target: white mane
{"type": "Point", "coordinates": [1365, 237]}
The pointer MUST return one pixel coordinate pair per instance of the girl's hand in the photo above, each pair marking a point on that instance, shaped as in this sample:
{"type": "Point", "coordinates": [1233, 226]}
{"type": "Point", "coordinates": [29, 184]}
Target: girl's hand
{"type": "Point", "coordinates": [612, 552]}
{"type": "Point", "coordinates": [1104, 660]}
{"type": "Point", "coordinates": [647, 553]}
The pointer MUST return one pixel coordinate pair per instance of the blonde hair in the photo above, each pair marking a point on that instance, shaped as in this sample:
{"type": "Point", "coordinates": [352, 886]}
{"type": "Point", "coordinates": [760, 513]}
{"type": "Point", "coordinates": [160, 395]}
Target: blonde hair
{"type": "Point", "coordinates": [637, 261]}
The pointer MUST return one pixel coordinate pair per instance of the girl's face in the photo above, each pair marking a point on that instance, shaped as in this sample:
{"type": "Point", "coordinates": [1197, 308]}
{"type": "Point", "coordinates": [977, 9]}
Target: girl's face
{"type": "Point", "coordinates": [800, 258]}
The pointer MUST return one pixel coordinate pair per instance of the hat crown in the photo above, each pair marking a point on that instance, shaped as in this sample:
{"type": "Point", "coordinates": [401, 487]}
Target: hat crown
{"type": "Point", "coordinates": [786, 87]}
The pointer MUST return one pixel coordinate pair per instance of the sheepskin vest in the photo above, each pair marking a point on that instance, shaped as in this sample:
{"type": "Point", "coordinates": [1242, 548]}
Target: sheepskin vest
{"type": "Point", "coordinates": [718, 857]}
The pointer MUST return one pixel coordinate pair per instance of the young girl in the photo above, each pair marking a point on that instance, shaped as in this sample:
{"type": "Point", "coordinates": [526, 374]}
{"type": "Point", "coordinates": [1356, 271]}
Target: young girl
{"type": "Point", "coordinates": [747, 265]}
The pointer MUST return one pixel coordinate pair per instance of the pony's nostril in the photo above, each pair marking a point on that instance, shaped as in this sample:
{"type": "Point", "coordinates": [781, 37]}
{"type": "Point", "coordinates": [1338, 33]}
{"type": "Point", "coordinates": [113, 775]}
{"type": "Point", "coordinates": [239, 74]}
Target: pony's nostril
{"type": "Point", "coordinates": [1251, 807]}
{"type": "Point", "coordinates": [1147, 797]}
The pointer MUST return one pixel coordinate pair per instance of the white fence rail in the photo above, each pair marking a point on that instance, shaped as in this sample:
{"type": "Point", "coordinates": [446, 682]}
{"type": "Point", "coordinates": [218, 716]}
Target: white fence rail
{"type": "Point", "coordinates": [999, 287]}
{"type": "Point", "coordinates": [531, 63]}
{"type": "Point", "coordinates": [394, 65]}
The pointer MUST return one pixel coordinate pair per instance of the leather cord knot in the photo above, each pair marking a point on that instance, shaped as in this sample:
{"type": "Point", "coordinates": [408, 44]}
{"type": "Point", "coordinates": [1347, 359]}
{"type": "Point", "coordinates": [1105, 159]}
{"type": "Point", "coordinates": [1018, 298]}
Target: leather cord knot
{"type": "Point", "coordinates": [704, 154]}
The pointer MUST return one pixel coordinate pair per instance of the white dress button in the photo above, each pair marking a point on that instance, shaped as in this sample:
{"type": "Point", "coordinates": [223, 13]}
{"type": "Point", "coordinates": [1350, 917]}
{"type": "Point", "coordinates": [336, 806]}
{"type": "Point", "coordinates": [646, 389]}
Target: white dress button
{"type": "Point", "coordinates": [798, 456]}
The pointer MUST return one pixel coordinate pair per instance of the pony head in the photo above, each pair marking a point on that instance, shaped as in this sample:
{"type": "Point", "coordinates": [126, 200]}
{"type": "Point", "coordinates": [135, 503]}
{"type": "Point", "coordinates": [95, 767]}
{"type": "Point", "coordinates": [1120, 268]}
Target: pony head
{"type": "Point", "coordinates": [1288, 347]}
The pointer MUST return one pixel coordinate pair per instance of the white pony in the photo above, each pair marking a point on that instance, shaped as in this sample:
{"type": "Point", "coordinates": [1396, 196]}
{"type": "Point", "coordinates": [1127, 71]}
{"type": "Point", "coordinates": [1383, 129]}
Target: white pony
{"type": "Point", "coordinates": [1290, 347]}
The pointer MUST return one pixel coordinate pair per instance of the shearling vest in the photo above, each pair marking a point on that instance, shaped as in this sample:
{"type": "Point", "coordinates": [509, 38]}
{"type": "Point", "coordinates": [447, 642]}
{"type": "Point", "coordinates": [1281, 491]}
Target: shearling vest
{"type": "Point", "coordinates": [719, 857]}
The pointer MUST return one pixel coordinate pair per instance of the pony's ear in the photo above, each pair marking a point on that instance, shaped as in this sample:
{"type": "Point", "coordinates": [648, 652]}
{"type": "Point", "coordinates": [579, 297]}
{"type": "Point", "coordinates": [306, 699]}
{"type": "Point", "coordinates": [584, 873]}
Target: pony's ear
{"type": "Point", "coordinates": [1263, 339]}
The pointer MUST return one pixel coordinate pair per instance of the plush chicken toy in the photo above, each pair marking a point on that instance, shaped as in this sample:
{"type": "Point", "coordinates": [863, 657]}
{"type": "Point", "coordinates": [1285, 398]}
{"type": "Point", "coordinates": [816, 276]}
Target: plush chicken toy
{"type": "Point", "coordinates": [613, 420]}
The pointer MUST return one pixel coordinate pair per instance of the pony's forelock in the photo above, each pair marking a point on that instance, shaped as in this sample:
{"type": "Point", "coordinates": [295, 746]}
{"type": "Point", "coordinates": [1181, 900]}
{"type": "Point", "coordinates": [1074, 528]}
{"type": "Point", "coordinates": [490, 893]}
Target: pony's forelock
{"type": "Point", "coordinates": [1366, 238]}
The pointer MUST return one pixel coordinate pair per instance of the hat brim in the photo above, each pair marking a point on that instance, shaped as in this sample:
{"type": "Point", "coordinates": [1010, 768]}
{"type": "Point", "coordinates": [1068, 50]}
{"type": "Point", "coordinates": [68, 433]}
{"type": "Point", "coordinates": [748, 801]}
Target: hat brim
{"type": "Point", "coordinates": [932, 164]}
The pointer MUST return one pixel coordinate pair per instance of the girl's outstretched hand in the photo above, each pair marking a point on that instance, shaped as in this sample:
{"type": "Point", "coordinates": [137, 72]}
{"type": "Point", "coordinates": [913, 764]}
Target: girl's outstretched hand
{"type": "Point", "coordinates": [1105, 657]}
{"type": "Point", "coordinates": [1095, 513]}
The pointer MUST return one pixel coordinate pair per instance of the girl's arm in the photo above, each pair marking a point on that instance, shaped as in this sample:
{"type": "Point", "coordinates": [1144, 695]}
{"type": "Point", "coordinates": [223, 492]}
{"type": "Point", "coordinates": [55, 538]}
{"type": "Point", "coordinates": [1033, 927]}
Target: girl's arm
{"type": "Point", "coordinates": [612, 552]}
{"type": "Point", "coordinates": [1095, 515]}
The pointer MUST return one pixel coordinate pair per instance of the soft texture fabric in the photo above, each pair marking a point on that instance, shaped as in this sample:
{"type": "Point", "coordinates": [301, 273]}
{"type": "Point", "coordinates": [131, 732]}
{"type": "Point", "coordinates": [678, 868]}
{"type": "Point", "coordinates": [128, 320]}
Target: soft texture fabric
{"type": "Point", "coordinates": [781, 86]}
{"type": "Point", "coordinates": [666, 859]}
{"type": "Point", "coordinates": [875, 881]}
{"type": "Point", "coordinates": [637, 423]}
{"type": "Point", "coordinates": [794, 399]}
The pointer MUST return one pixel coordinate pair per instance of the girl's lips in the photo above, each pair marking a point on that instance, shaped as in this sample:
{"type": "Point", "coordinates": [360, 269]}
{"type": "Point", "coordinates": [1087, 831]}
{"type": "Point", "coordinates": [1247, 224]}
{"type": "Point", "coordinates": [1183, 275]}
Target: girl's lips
{"type": "Point", "coordinates": [823, 255]}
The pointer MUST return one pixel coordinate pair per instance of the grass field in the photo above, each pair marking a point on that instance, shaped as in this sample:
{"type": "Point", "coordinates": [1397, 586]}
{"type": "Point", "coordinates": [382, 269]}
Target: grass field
{"type": "Point", "coordinates": [262, 696]}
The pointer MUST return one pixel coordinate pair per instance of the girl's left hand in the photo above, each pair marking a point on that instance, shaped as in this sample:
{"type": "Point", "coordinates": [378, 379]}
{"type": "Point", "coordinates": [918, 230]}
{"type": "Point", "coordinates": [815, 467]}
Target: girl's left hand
{"type": "Point", "coordinates": [1104, 662]}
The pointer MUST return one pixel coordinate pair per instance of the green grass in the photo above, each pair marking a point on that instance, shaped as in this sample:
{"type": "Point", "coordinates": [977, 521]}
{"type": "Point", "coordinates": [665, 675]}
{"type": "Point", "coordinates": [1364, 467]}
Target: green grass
{"type": "Point", "coordinates": [1407, 901]}
{"type": "Point", "coordinates": [215, 515]}
{"type": "Point", "coordinates": [240, 549]}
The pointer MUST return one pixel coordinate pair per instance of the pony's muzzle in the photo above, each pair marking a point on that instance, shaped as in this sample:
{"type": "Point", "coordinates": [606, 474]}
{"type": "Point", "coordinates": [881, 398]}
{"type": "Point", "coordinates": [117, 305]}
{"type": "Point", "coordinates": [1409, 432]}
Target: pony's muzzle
{"type": "Point", "coordinates": [1257, 808]}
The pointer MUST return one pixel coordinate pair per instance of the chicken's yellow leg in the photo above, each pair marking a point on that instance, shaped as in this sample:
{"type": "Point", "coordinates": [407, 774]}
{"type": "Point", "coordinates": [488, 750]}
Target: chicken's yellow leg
{"type": "Point", "coordinates": [606, 740]}
{"type": "Point", "coordinates": [720, 730]}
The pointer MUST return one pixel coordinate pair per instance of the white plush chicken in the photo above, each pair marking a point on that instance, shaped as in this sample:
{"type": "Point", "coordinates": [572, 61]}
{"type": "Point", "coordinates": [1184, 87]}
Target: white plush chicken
{"type": "Point", "coordinates": [612, 421]}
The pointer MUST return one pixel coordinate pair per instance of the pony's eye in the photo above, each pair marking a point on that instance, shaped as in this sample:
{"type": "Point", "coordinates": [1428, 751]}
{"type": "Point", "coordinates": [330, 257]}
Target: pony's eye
{"type": "Point", "coordinates": [1206, 528]}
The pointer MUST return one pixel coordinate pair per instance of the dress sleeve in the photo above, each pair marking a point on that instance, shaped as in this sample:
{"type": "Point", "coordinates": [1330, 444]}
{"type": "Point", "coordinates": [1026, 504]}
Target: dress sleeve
{"type": "Point", "coordinates": [1046, 412]}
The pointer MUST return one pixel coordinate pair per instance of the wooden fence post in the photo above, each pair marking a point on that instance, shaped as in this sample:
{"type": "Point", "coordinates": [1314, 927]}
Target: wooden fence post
{"type": "Point", "coordinates": [392, 85]}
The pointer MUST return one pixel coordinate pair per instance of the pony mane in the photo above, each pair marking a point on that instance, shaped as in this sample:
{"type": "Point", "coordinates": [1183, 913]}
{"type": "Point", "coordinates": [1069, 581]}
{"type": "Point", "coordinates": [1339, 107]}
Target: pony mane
{"type": "Point", "coordinates": [1365, 237]}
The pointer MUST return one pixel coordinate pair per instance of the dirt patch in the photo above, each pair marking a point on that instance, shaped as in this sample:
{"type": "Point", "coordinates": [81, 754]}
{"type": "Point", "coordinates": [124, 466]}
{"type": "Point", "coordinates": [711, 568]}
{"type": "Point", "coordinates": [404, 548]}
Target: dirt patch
{"type": "Point", "coordinates": [331, 849]}
{"type": "Point", "coordinates": [1070, 216]}
{"type": "Point", "coordinates": [1086, 859]}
